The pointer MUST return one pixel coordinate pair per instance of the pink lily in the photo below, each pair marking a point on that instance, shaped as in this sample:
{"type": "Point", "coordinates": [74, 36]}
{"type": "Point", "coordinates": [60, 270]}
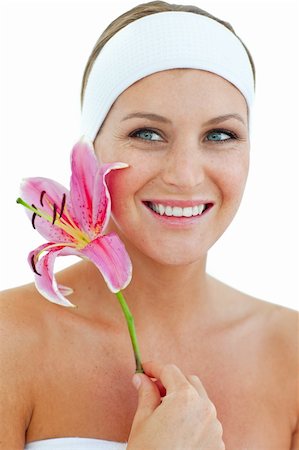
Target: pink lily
{"type": "Point", "coordinates": [74, 223]}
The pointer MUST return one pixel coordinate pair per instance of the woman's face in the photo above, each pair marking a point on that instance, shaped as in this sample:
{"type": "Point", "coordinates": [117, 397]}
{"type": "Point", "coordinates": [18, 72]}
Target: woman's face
{"type": "Point", "coordinates": [184, 134]}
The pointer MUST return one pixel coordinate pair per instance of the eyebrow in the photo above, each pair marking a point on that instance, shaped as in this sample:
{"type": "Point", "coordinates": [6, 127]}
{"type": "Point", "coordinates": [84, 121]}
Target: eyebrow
{"type": "Point", "coordinates": [223, 118]}
{"type": "Point", "coordinates": [150, 116]}
{"type": "Point", "coordinates": [158, 118]}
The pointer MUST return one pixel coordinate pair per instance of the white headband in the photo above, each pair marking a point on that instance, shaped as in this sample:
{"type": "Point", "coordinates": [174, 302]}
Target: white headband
{"type": "Point", "coordinates": [157, 42]}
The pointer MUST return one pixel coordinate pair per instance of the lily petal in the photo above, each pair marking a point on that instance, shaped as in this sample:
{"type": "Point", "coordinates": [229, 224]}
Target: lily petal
{"type": "Point", "coordinates": [44, 275]}
{"type": "Point", "coordinates": [101, 202]}
{"type": "Point", "coordinates": [43, 193]}
{"type": "Point", "coordinates": [65, 290]}
{"type": "Point", "coordinates": [109, 255]}
{"type": "Point", "coordinates": [89, 193]}
{"type": "Point", "coordinates": [34, 255]}
{"type": "Point", "coordinates": [107, 252]}
{"type": "Point", "coordinates": [84, 169]}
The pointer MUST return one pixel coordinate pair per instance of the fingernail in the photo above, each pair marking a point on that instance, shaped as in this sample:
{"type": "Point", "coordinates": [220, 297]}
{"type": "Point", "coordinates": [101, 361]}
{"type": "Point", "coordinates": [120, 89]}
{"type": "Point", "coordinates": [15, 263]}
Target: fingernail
{"type": "Point", "coordinates": [136, 381]}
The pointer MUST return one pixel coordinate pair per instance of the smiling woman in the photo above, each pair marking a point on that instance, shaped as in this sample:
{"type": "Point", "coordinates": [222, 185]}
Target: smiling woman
{"type": "Point", "coordinates": [169, 172]}
{"type": "Point", "coordinates": [266, 190]}
{"type": "Point", "coordinates": [167, 95]}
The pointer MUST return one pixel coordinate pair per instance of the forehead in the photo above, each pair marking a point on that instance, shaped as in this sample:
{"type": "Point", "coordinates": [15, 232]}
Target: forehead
{"type": "Point", "coordinates": [177, 90]}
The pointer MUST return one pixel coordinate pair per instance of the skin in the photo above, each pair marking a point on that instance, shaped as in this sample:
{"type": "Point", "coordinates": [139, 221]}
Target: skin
{"type": "Point", "coordinates": [68, 372]}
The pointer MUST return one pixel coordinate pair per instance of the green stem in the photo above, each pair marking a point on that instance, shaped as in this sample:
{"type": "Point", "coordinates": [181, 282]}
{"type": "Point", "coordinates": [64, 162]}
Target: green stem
{"type": "Point", "coordinates": [132, 331]}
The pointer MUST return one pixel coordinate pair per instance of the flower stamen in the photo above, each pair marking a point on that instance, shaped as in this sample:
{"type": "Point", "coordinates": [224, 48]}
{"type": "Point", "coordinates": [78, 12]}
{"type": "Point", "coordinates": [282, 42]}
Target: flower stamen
{"type": "Point", "coordinates": [54, 213]}
{"type": "Point", "coordinates": [33, 216]}
{"type": "Point", "coordinates": [33, 219]}
{"type": "Point", "coordinates": [41, 197]}
{"type": "Point", "coordinates": [33, 265]}
{"type": "Point", "coordinates": [73, 231]}
{"type": "Point", "coordinates": [62, 205]}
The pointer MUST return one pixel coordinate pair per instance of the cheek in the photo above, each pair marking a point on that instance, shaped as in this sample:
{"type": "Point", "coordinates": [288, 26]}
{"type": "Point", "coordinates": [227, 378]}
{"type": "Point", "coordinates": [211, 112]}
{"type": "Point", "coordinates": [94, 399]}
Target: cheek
{"type": "Point", "coordinates": [124, 186]}
{"type": "Point", "coordinates": [118, 183]}
{"type": "Point", "coordinates": [232, 178]}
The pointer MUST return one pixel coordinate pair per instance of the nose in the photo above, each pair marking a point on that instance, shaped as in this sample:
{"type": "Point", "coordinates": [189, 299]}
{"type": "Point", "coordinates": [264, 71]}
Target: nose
{"type": "Point", "coordinates": [184, 166]}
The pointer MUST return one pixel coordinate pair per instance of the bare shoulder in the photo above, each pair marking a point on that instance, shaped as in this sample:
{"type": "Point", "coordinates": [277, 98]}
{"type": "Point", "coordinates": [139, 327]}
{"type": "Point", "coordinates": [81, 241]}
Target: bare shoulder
{"type": "Point", "coordinates": [281, 351]}
{"type": "Point", "coordinates": [269, 338]}
{"type": "Point", "coordinates": [274, 320]}
{"type": "Point", "coordinates": [20, 340]}
{"type": "Point", "coordinates": [271, 328]}
{"type": "Point", "coordinates": [277, 325]}
{"type": "Point", "coordinates": [20, 319]}
{"type": "Point", "coordinates": [19, 310]}
{"type": "Point", "coordinates": [281, 326]}
{"type": "Point", "coordinates": [25, 320]}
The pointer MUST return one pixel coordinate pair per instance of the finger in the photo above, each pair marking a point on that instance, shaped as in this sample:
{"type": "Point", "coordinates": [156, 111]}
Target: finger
{"type": "Point", "coordinates": [197, 384]}
{"type": "Point", "coordinates": [169, 375]}
{"type": "Point", "coordinates": [148, 397]}
{"type": "Point", "coordinates": [160, 387]}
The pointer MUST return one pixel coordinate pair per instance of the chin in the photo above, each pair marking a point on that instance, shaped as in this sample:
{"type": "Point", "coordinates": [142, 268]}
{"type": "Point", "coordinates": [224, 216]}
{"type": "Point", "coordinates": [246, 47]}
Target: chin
{"type": "Point", "coordinates": [166, 255]}
{"type": "Point", "coordinates": [178, 260]}
{"type": "Point", "coordinates": [171, 249]}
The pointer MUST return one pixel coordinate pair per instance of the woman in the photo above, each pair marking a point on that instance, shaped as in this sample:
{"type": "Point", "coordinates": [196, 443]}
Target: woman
{"type": "Point", "coordinates": [169, 94]}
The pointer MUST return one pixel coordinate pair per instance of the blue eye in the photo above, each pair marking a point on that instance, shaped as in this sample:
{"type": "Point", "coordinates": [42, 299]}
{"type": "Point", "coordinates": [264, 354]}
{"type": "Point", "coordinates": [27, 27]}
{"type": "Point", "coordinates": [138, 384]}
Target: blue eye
{"type": "Point", "coordinates": [220, 136]}
{"type": "Point", "coordinates": [146, 134]}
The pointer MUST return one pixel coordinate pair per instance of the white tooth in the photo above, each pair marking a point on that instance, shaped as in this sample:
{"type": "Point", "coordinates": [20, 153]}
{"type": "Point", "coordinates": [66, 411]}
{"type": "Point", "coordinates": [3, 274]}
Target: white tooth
{"type": "Point", "coordinates": [200, 208]}
{"type": "Point", "coordinates": [168, 211]}
{"type": "Point", "coordinates": [187, 212]}
{"type": "Point", "coordinates": [177, 211]}
{"type": "Point", "coordinates": [152, 206]}
{"type": "Point", "coordinates": [161, 209]}
{"type": "Point", "coordinates": [195, 211]}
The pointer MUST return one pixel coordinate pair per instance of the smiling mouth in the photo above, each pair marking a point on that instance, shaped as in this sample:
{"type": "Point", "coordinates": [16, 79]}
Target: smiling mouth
{"type": "Point", "coordinates": [178, 211]}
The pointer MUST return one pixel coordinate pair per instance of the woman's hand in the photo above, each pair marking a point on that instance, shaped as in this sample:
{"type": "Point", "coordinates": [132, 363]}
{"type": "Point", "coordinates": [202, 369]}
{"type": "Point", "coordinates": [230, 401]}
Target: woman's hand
{"type": "Point", "coordinates": [183, 419]}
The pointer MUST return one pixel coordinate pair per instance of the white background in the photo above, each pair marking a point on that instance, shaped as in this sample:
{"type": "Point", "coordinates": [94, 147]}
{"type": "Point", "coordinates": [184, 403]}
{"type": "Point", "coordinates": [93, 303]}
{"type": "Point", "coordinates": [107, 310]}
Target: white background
{"type": "Point", "coordinates": [44, 48]}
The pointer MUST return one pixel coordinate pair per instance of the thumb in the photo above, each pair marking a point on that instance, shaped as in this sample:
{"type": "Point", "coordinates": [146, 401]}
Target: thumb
{"type": "Point", "coordinates": [148, 396]}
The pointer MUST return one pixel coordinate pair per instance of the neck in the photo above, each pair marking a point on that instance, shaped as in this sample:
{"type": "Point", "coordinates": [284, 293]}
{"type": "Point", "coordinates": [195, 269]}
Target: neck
{"type": "Point", "coordinates": [157, 289]}
{"type": "Point", "coordinates": [172, 297]}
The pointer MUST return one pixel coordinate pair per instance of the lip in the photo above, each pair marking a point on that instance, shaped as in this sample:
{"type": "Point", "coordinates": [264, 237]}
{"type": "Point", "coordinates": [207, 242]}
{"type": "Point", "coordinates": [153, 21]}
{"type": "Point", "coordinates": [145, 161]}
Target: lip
{"type": "Point", "coordinates": [181, 203]}
{"type": "Point", "coordinates": [178, 222]}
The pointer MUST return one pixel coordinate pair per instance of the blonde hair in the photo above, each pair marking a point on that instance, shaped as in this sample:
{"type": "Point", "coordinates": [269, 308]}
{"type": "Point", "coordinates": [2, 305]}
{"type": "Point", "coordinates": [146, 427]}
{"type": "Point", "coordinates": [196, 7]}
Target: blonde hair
{"type": "Point", "coordinates": [138, 12]}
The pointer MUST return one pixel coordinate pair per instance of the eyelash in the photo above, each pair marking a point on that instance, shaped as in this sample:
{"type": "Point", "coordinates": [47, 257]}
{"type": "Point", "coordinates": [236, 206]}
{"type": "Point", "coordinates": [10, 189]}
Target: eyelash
{"type": "Point", "coordinates": [232, 135]}
{"type": "Point", "coordinates": [133, 134]}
